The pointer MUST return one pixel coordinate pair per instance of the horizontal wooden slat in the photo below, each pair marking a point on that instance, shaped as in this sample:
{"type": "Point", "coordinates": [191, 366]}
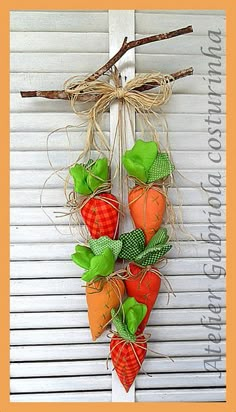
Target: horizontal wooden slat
{"type": "Point", "coordinates": [56, 21]}
{"type": "Point", "coordinates": [58, 42]}
{"type": "Point", "coordinates": [87, 367]}
{"type": "Point", "coordinates": [149, 23]}
{"type": "Point", "coordinates": [189, 12]}
{"type": "Point", "coordinates": [99, 350]}
{"type": "Point", "coordinates": [35, 216]}
{"type": "Point", "coordinates": [198, 395]}
{"type": "Point", "coordinates": [85, 62]}
{"type": "Point", "coordinates": [182, 159]}
{"type": "Point", "coordinates": [58, 141]}
{"type": "Point", "coordinates": [183, 395]}
{"type": "Point", "coordinates": [153, 62]}
{"type": "Point", "coordinates": [179, 380]}
{"type": "Point", "coordinates": [50, 122]}
{"type": "Point", "coordinates": [41, 122]}
{"type": "Point", "coordinates": [189, 44]}
{"type": "Point", "coordinates": [80, 319]}
{"type": "Point", "coordinates": [24, 179]}
{"type": "Point", "coordinates": [52, 81]}
{"type": "Point", "coordinates": [77, 62]}
{"type": "Point", "coordinates": [55, 197]}
{"type": "Point", "coordinates": [191, 103]}
{"type": "Point", "coordinates": [34, 234]}
{"type": "Point", "coordinates": [98, 396]}
{"type": "Point", "coordinates": [81, 383]}
{"type": "Point", "coordinates": [61, 251]}
{"type": "Point", "coordinates": [61, 269]}
{"type": "Point", "coordinates": [71, 286]}
{"type": "Point", "coordinates": [69, 303]}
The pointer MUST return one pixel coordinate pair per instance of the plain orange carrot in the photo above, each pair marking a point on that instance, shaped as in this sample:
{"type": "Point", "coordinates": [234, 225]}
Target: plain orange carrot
{"type": "Point", "coordinates": [100, 302]}
{"type": "Point", "coordinates": [147, 208]}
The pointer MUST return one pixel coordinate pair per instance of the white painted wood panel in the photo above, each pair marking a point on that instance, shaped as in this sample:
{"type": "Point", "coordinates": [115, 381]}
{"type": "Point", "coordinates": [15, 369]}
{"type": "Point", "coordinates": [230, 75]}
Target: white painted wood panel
{"type": "Point", "coordinates": [50, 333]}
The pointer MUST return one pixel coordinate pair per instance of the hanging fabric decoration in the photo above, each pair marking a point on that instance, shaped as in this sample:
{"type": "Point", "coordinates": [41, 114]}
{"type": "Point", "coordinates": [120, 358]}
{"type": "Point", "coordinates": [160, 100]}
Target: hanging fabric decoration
{"type": "Point", "coordinates": [97, 212]}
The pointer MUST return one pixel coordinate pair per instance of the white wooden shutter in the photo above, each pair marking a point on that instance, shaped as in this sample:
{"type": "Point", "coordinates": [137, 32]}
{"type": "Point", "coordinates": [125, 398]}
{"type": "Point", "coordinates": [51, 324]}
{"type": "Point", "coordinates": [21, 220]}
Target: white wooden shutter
{"type": "Point", "coordinates": [52, 357]}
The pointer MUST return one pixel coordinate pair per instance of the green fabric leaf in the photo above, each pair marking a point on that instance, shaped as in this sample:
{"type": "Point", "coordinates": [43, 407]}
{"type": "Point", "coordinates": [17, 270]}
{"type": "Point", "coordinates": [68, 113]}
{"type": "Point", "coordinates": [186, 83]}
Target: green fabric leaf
{"type": "Point", "coordinates": [151, 255]}
{"type": "Point", "coordinates": [100, 244]}
{"type": "Point", "coordinates": [83, 256]}
{"type": "Point", "coordinates": [100, 170]}
{"type": "Point", "coordinates": [134, 313]}
{"type": "Point", "coordinates": [121, 327]}
{"type": "Point", "coordinates": [160, 237]}
{"type": "Point", "coordinates": [102, 265]}
{"type": "Point", "coordinates": [80, 175]}
{"type": "Point", "coordinates": [161, 167]}
{"type": "Point", "coordinates": [87, 178]}
{"type": "Point", "coordinates": [140, 158]}
{"type": "Point", "coordinates": [133, 243]}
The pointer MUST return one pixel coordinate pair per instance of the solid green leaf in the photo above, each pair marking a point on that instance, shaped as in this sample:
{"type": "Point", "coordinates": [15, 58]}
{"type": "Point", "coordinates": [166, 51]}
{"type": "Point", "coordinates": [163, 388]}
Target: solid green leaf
{"type": "Point", "coordinates": [83, 256]}
{"type": "Point", "coordinates": [102, 265]}
{"type": "Point", "coordinates": [97, 174]}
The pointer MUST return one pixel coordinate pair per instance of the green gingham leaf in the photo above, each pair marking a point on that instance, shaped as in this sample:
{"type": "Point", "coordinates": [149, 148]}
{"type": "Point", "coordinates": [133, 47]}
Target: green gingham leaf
{"type": "Point", "coordinates": [160, 238]}
{"type": "Point", "coordinates": [133, 243]}
{"type": "Point", "coordinates": [99, 245]}
{"type": "Point", "coordinates": [152, 255]}
{"type": "Point", "coordinates": [161, 167]}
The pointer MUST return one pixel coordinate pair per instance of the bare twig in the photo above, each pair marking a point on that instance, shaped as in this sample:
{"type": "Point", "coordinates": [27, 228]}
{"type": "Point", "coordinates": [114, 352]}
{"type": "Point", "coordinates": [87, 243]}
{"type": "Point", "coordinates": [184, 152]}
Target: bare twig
{"type": "Point", "coordinates": [135, 43]}
{"type": "Point", "coordinates": [61, 94]}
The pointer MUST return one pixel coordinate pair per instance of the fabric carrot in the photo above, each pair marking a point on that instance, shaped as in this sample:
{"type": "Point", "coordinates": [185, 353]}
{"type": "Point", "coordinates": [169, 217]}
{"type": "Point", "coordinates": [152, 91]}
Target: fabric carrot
{"type": "Point", "coordinates": [147, 208]}
{"type": "Point", "coordinates": [101, 212]}
{"type": "Point", "coordinates": [101, 298]}
{"type": "Point", "coordinates": [102, 292]}
{"type": "Point", "coordinates": [143, 282]}
{"type": "Point", "coordinates": [148, 167]}
{"type": "Point", "coordinates": [128, 350]}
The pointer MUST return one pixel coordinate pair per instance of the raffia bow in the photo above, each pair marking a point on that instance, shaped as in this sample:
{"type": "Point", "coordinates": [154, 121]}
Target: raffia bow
{"type": "Point", "coordinates": [105, 92]}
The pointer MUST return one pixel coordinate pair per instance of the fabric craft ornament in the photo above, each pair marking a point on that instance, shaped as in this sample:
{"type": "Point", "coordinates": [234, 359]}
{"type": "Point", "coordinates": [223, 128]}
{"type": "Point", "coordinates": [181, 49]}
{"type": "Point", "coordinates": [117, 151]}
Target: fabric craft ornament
{"type": "Point", "coordinates": [147, 202]}
{"type": "Point", "coordinates": [102, 292]}
{"type": "Point", "coordinates": [100, 211]}
{"type": "Point", "coordinates": [144, 283]}
{"type": "Point", "coordinates": [126, 348]}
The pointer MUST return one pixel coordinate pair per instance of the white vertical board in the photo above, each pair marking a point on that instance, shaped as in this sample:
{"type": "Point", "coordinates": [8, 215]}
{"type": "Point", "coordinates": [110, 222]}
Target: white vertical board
{"type": "Point", "coordinates": [121, 24]}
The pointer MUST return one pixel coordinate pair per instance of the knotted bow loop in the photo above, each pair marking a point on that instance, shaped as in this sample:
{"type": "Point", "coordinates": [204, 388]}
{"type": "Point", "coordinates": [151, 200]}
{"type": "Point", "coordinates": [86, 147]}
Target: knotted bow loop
{"type": "Point", "coordinates": [107, 92]}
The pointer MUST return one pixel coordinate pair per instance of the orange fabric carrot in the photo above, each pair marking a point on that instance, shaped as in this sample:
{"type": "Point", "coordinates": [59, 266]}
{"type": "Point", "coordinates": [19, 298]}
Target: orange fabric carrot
{"type": "Point", "coordinates": [147, 208]}
{"type": "Point", "coordinates": [101, 298]}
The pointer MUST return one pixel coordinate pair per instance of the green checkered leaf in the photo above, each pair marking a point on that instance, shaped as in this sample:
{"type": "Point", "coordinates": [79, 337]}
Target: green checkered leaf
{"type": "Point", "coordinates": [160, 238]}
{"type": "Point", "coordinates": [152, 255]}
{"type": "Point", "coordinates": [161, 167]}
{"type": "Point", "coordinates": [99, 245]}
{"type": "Point", "coordinates": [133, 243]}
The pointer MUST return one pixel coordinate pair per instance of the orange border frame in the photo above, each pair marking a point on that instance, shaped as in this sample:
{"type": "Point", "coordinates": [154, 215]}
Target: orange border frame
{"type": "Point", "coordinates": [227, 5]}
